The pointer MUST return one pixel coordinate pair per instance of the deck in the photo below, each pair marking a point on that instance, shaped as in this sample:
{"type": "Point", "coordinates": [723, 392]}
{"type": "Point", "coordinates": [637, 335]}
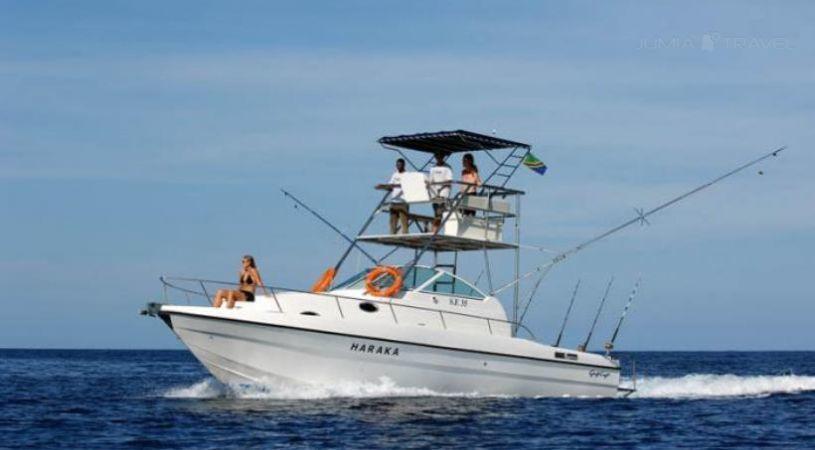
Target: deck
{"type": "Point", "coordinates": [439, 243]}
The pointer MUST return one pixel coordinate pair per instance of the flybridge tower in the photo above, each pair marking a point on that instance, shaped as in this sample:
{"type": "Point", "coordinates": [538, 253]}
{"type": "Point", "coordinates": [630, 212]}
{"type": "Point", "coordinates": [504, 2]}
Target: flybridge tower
{"type": "Point", "coordinates": [474, 218]}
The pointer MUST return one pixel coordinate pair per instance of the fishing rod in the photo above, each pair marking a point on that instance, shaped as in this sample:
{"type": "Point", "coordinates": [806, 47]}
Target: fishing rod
{"type": "Point", "coordinates": [610, 344]}
{"type": "Point", "coordinates": [329, 224]}
{"type": "Point", "coordinates": [568, 311]}
{"type": "Point", "coordinates": [532, 293]}
{"type": "Point", "coordinates": [585, 345]}
{"type": "Point", "coordinates": [542, 270]}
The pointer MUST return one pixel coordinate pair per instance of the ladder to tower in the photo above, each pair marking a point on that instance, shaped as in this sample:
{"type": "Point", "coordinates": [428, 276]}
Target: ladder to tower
{"type": "Point", "coordinates": [449, 267]}
{"type": "Point", "coordinates": [506, 168]}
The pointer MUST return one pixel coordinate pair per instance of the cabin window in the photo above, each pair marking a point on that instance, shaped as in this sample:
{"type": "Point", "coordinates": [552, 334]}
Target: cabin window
{"type": "Point", "coordinates": [309, 313]}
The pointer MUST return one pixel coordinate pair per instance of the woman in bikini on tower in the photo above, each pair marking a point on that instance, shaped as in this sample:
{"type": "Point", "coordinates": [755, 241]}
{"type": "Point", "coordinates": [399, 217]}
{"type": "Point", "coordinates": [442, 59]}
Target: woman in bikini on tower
{"type": "Point", "coordinates": [248, 278]}
{"type": "Point", "coordinates": [470, 178]}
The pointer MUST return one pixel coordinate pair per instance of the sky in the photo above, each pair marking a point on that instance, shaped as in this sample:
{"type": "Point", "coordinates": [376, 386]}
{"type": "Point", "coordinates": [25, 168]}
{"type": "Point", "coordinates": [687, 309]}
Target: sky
{"type": "Point", "coordinates": [140, 139]}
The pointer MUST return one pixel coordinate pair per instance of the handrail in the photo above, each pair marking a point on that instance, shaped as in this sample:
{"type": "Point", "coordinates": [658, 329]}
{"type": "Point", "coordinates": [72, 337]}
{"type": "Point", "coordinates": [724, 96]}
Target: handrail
{"type": "Point", "coordinates": [489, 214]}
{"type": "Point", "coordinates": [496, 190]}
{"type": "Point", "coordinates": [167, 282]}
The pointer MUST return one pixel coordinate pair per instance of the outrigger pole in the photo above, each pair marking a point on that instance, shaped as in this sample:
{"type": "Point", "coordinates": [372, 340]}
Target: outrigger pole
{"type": "Point", "coordinates": [641, 218]}
{"type": "Point", "coordinates": [362, 230]}
{"type": "Point", "coordinates": [330, 225]}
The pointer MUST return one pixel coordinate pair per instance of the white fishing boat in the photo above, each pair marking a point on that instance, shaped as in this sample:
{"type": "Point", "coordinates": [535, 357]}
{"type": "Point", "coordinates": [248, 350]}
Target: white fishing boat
{"type": "Point", "coordinates": [417, 323]}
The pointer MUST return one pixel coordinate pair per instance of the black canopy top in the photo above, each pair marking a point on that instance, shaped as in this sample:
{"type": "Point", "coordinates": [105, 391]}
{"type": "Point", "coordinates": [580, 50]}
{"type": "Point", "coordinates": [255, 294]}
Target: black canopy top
{"type": "Point", "coordinates": [449, 142]}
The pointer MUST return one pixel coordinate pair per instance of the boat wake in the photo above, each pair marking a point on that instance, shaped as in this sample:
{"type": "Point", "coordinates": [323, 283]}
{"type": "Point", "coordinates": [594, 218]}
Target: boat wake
{"type": "Point", "coordinates": [720, 386]}
{"type": "Point", "coordinates": [692, 386]}
{"type": "Point", "coordinates": [384, 387]}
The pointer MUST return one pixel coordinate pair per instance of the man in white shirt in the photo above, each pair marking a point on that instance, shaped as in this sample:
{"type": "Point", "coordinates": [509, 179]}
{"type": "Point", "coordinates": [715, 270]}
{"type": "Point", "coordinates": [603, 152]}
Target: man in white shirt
{"type": "Point", "coordinates": [440, 180]}
{"type": "Point", "coordinates": [398, 207]}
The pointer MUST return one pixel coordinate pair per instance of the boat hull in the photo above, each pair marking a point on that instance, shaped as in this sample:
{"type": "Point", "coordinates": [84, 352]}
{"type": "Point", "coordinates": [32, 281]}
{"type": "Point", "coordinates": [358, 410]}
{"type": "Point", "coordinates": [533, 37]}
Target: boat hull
{"type": "Point", "coordinates": [240, 352]}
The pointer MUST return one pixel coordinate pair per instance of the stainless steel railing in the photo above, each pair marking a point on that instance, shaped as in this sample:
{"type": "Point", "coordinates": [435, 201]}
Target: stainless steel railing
{"type": "Point", "coordinates": [172, 283]}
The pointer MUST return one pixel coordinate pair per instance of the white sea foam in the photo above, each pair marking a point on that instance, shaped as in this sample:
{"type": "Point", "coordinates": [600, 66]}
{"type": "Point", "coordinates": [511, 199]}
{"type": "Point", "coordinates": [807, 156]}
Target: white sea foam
{"type": "Point", "coordinates": [690, 386]}
{"type": "Point", "coordinates": [208, 388]}
{"type": "Point", "coordinates": [717, 386]}
{"type": "Point", "coordinates": [384, 387]}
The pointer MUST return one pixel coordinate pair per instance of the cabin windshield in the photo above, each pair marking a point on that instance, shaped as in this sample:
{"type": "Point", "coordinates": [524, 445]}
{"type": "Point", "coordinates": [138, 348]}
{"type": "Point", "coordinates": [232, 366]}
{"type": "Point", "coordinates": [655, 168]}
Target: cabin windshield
{"type": "Point", "coordinates": [415, 278]}
{"type": "Point", "coordinates": [353, 280]}
{"type": "Point", "coordinates": [450, 285]}
{"type": "Point", "coordinates": [420, 277]}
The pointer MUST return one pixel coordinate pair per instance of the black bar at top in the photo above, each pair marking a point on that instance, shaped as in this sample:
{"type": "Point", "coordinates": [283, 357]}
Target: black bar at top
{"type": "Point", "coordinates": [450, 142]}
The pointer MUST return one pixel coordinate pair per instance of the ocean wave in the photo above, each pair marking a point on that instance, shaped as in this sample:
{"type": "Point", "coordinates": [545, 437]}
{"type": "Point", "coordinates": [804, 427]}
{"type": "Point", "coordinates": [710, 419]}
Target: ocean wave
{"type": "Point", "coordinates": [717, 386]}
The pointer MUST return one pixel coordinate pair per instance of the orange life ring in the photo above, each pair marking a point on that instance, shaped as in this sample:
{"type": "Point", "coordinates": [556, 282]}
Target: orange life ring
{"type": "Point", "coordinates": [379, 271]}
{"type": "Point", "coordinates": [325, 281]}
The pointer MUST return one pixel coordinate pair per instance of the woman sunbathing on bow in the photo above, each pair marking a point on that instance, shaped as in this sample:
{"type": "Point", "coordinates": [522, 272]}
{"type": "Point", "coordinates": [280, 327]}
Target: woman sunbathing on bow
{"type": "Point", "coordinates": [249, 279]}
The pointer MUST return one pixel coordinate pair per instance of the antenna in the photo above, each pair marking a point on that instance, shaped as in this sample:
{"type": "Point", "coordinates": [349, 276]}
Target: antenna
{"type": "Point", "coordinates": [585, 345]}
{"type": "Point", "coordinates": [610, 344]}
{"type": "Point", "coordinates": [568, 311]}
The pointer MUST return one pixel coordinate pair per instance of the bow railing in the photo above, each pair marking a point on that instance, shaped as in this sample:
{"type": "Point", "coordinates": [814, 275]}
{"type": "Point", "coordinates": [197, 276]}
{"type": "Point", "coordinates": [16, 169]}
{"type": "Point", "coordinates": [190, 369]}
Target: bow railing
{"type": "Point", "coordinates": [189, 287]}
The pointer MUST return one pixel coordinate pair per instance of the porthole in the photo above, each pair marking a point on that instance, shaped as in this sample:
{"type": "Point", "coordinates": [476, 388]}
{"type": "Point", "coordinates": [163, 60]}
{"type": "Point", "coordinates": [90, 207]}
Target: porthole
{"type": "Point", "coordinates": [368, 307]}
{"type": "Point", "coordinates": [309, 313]}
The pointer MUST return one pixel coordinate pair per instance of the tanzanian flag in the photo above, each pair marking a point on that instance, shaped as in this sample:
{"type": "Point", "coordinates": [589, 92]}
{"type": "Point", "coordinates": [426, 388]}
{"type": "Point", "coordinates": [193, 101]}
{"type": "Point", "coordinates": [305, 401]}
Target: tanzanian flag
{"type": "Point", "coordinates": [535, 164]}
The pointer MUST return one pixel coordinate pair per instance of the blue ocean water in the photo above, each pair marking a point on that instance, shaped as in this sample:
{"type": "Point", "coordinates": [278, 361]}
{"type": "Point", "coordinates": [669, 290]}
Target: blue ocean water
{"type": "Point", "coordinates": [165, 399]}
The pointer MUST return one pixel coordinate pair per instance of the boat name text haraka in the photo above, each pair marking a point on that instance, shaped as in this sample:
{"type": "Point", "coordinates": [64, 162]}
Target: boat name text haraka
{"type": "Point", "coordinates": [375, 349]}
